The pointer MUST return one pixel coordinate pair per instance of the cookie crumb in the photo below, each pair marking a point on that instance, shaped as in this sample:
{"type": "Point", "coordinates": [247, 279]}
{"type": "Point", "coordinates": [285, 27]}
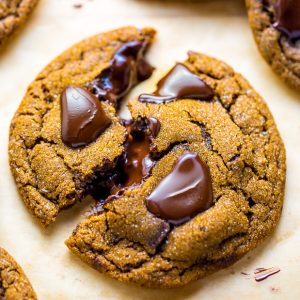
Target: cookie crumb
{"type": "Point", "coordinates": [77, 6]}
{"type": "Point", "coordinates": [275, 289]}
{"type": "Point", "coordinates": [244, 273]}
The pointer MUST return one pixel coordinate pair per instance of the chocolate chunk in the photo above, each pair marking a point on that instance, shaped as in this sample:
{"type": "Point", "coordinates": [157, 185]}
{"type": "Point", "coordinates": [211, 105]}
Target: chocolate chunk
{"type": "Point", "coordinates": [185, 192]}
{"type": "Point", "coordinates": [154, 126]}
{"type": "Point", "coordinates": [82, 117]}
{"type": "Point", "coordinates": [179, 83]}
{"type": "Point", "coordinates": [288, 18]}
{"type": "Point", "coordinates": [127, 67]}
{"type": "Point", "coordinates": [263, 273]}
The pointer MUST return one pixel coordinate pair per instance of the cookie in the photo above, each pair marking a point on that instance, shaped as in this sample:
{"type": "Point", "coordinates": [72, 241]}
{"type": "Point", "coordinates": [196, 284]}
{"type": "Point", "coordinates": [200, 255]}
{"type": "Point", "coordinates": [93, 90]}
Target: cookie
{"type": "Point", "coordinates": [54, 170]}
{"type": "Point", "coordinates": [14, 285]}
{"type": "Point", "coordinates": [13, 13]}
{"type": "Point", "coordinates": [200, 184]}
{"type": "Point", "coordinates": [276, 28]}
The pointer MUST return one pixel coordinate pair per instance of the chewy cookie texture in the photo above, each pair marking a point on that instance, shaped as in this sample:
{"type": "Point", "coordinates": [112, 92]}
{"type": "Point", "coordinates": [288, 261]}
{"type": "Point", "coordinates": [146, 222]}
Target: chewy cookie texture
{"type": "Point", "coordinates": [276, 28]}
{"type": "Point", "coordinates": [13, 13]}
{"type": "Point", "coordinates": [186, 187]}
{"type": "Point", "coordinates": [14, 284]}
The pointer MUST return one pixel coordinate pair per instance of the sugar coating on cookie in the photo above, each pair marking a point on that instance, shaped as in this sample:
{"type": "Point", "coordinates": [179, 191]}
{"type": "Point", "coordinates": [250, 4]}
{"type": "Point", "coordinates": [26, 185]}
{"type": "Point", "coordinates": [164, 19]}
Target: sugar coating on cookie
{"type": "Point", "coordinates": [13, 282]}
{"type": "Point", "coordinates": [276, 28]}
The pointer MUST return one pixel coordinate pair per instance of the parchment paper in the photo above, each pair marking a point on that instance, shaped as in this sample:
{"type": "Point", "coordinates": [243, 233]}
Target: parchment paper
{"type": "Point", "coordinates": [218, 28]}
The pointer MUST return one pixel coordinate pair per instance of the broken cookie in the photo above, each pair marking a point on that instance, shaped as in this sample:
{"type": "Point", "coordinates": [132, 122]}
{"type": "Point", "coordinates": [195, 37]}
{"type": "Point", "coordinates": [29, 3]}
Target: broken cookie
{"type": "Point", "coordinates": [68, 120]}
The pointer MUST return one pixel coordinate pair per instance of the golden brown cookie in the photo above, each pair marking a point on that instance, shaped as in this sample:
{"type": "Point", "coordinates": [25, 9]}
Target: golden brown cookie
{"type": "Point", "coordinates": [200, 185]}
{"type": "Point", "coordinates": [188, 186]}
{"type": "Point", "coordinates": [51, 175]}
{"type": "Point", "coordinates": [276, 28]}
{"type": "Point", "coordinates": [13, 13]}
{"type": "Point", "coordinates": [14, 285]}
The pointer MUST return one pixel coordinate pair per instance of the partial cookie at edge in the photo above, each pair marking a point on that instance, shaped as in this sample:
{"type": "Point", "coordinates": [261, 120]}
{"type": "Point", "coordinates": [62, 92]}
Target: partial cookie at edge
{"type": "Point", "coordinates": [13, 15]}
{"type": "Point", "coordinates": [13, 282]}
{"type": "Point", "coordinates": [281, 55]}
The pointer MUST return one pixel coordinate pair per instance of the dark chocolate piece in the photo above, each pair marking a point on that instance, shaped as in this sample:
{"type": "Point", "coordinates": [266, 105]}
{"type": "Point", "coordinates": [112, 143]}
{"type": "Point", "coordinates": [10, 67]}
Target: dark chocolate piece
{"type": "Point", "coordinates": [179, 83]}
{"type": "Point", "coordinates": [185, 192]}
{"type": "Point", "coordinates": [127, 68]}
{"type": "Point", "coordinates": [82, 117]}
{"type": "Point", "coordinates": [287, 13]}
{"type": "Point", "coordinates": [262, 273]}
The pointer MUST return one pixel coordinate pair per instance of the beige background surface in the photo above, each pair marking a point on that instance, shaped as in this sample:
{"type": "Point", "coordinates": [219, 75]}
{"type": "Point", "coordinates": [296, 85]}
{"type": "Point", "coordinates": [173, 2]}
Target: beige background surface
{"type": "Point", "coordinates": [216, 27]}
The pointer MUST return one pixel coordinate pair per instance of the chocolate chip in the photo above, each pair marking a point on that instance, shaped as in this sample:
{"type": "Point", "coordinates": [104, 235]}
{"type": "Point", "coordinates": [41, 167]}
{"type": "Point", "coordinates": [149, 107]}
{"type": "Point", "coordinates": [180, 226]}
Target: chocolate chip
{"type": "Point", "coordinates": [82, 117]}
{"type": "Point", "coordinates": [179, 83]}
{"type": "Point", "coordinates": [185, 192]}
{"type": "Point", "coordinates": [127, 67]}
{"type": "Point", "coordinates": [287, 14]}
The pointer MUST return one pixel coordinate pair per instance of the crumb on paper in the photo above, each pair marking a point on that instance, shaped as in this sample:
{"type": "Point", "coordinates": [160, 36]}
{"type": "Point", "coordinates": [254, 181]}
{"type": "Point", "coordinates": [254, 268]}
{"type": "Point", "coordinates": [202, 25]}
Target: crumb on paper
{"type": "Point", "coordinates": [78, 6]}
{"type": "Point", "coordinates": [244, 273]}
{"type": "Point", "coordinates": [275, 289]}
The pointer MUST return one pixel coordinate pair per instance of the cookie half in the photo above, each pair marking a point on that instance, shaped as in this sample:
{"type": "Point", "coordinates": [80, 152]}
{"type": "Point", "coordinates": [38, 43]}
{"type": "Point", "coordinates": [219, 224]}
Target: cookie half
{"type": "Point", "coordinates": [13, 13]}
{"type": "Point", "coordinates": [51, 169]}
{"type": "Point", "coordinates": [276, 28]}
{"type": "Point", "coordinates": [14, 285]}
{"type": "Point", "coordinates": [203, 182]}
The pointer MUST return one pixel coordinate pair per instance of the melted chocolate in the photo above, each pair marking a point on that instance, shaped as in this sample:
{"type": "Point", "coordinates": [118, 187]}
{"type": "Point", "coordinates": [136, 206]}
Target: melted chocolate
{"type": "Point", "coordinates": [287, 14]}
{"type": "Point", "coordinates": [82, 117]}
{"type": "Point", "coordinates": [179, 83]}
{"type": "Point", "coordinates": [154, 126]}
{"type": "Point", "coordinates": [127, 67]}
{"type": "Point", "coordinates": [185, 192]}
{"type": "Point", "coordinates": [137, 162]}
